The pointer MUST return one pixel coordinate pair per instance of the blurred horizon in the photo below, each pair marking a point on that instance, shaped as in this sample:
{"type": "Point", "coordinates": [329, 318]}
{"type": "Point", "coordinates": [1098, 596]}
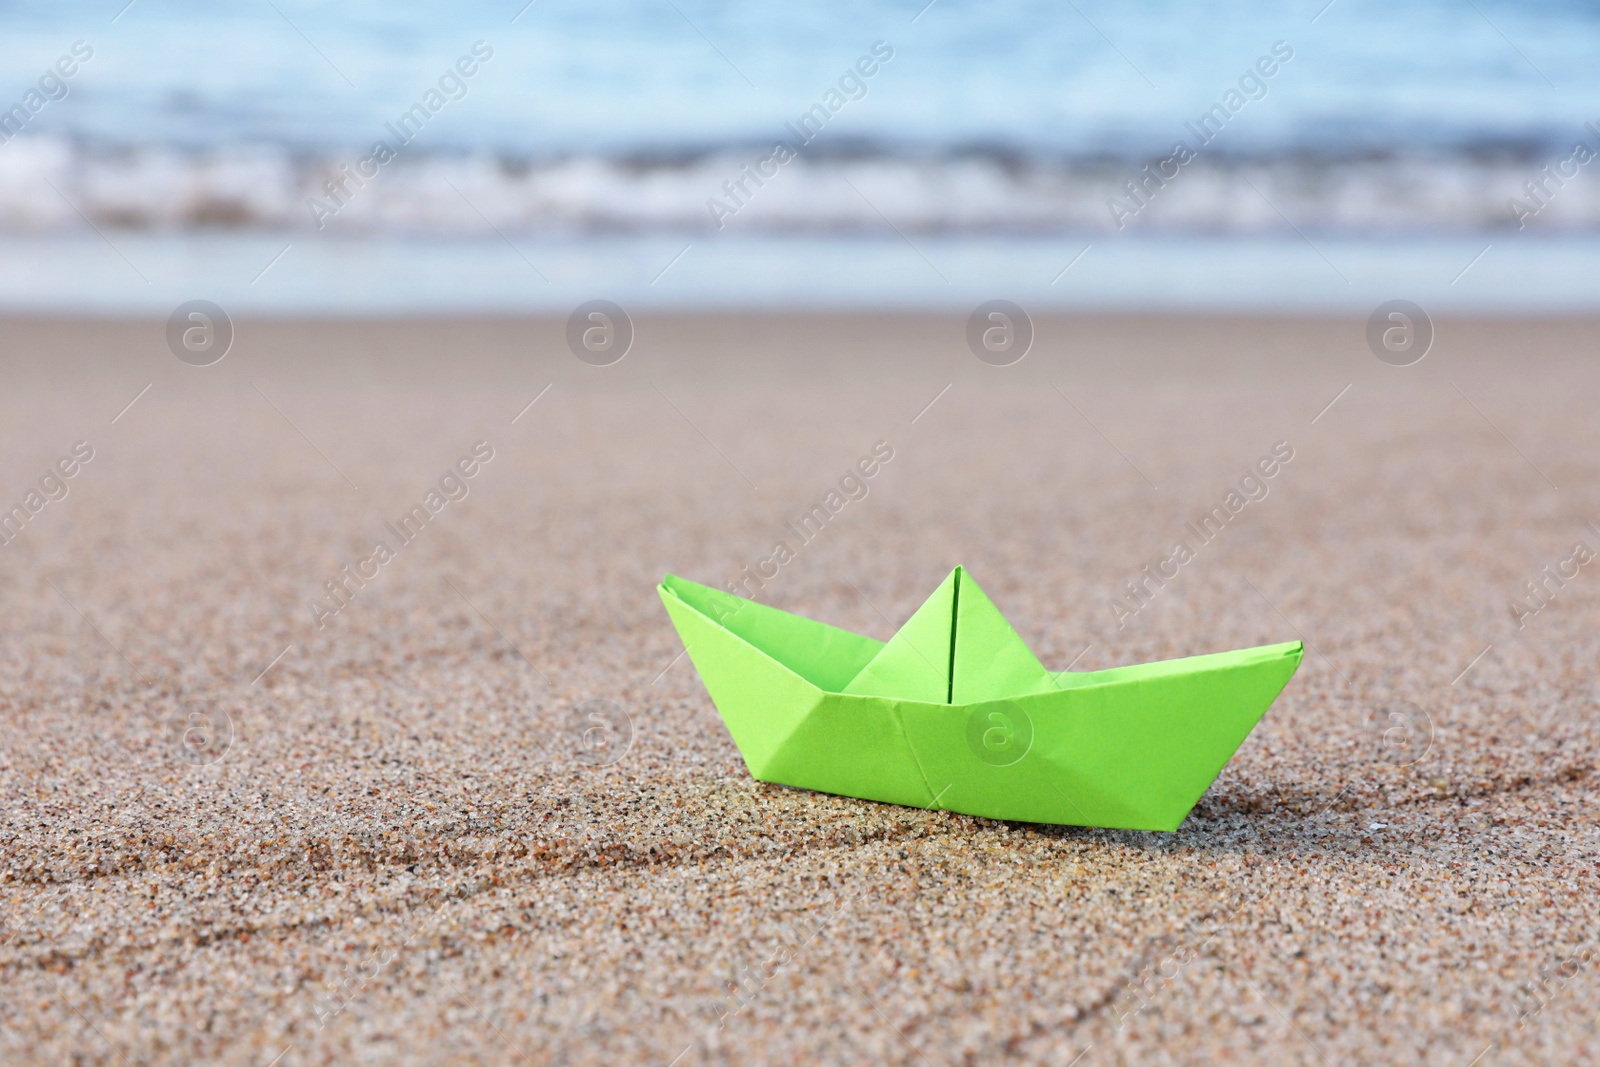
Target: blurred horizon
{"type": "Point", "coordinates": [841, 153]}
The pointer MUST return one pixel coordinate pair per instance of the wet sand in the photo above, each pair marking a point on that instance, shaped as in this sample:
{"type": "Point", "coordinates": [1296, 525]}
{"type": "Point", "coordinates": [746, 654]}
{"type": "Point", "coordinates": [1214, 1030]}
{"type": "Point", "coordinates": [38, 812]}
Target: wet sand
{"type": "Point", "coordinates": [243, 829]}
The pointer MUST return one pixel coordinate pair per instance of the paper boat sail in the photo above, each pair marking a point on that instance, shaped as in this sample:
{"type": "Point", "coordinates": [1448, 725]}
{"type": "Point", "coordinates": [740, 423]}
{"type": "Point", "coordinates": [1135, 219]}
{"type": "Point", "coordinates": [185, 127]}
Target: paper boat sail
{"type": "Point", "coordinates": [955, 713]}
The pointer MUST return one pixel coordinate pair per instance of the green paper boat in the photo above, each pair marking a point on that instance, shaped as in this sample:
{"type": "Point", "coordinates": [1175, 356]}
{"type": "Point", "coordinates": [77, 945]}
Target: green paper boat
{"type": "Point", "coordinates": [954, 712]}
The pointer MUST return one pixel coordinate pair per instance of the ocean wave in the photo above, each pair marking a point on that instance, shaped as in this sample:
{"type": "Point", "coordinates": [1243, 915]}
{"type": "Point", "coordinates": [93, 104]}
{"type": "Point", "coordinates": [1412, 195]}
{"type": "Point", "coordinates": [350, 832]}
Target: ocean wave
{"type": "Point", "coordinates": [54, 184]}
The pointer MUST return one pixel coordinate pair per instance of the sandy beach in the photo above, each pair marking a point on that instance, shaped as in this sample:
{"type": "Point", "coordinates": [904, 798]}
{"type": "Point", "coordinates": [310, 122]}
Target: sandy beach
{"type": "Point", "coordinates": [260, 812]}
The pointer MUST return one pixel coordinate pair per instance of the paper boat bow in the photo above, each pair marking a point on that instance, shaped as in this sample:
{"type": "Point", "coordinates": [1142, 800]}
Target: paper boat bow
{"type": "Point", "coordinates": [954, 712]}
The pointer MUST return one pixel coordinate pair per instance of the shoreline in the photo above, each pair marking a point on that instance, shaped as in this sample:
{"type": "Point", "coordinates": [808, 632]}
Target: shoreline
{"type": "Point", "coordinates": [1501, 273]}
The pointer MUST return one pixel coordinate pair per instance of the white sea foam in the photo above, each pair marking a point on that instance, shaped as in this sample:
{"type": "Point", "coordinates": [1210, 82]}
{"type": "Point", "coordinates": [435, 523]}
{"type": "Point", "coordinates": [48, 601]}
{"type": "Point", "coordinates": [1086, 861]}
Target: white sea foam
{"type": "Point", "coordinates": [53, 184]}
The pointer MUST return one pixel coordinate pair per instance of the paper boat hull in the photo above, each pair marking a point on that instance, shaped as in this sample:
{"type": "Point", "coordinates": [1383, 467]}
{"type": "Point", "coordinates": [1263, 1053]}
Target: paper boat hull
{"type": "Point", "coordinates": [1129, 748]}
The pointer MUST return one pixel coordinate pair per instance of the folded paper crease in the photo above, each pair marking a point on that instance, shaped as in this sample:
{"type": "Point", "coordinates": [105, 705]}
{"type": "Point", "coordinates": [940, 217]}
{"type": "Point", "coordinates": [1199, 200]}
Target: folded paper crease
{"type": "Point", "coordinates": [955, 710]}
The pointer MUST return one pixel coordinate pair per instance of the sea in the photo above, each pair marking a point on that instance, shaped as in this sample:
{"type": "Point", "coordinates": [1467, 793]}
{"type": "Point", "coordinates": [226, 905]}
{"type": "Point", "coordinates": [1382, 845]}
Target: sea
{"type": "Point", "coordinates": [294, 157]}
